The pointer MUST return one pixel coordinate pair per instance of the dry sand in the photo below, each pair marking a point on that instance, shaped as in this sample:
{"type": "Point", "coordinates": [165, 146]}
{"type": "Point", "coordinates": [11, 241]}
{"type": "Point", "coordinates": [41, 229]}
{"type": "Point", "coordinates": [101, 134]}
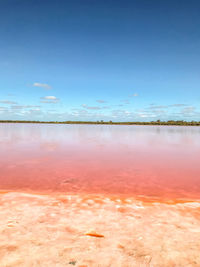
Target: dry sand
{"type": "Point", "coordinates": [88, 230]}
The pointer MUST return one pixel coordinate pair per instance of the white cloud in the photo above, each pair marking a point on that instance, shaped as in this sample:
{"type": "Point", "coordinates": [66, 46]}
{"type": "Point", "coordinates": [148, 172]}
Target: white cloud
{"type": "Point", "coordinates": [24, 106]}
{"type": "Point", "coordinates": [49, 99]}
{"type": "Point", "coordinates": [146, 115]}
{"type": "Point", "coordinates": [188, 110]}
{"type": "Point", "coordinates": [134, 95]}
{"type": "Point", "coordinates": [178, 105]}
{"type": "Point", "coordinates": [101, 101]}
{"type": "Point", "coordinates": [8, 102]}
{"type": "Point", "coordinates": [43, 85]}
{"type": "Point", "coordinates": [153, 106]}
{"type": "Point", "coordinates": [88, 107]}
{"type": "Point", "coordinates": [158, 107]}
{"type": "Point", "coordinates": [93, 107]}
{"type": "Point", "coordinates": [121, 113]}
{"type": "Point", "coordinates": [3, 109]}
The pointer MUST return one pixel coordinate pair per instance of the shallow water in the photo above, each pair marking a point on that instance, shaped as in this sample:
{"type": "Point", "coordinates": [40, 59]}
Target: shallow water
{"type": "Point", "coordinates": [99, 196]}
{"type": "Point", "coordinates": [152, 161]}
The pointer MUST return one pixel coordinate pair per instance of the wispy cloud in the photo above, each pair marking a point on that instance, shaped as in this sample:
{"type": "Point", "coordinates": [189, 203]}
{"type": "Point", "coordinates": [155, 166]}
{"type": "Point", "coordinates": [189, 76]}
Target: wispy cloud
{"type": "Point", "coordinates": [188, 110]}
{"type": "Point", "coordinates": [88, 114]}
{"type": "Point", "coordinates": [24, 106]}
{"type": "Point", "coordinates": [126, 101]}
{"type": "Point", "coordinates": [146, 115]}
{"type": "Point", "coordinates": [153, 106]}
{"type": "Point", "coordinates": [133, 95]}
{"type": "Point", "coordinates": [100, 101]}
{"type": "Point", "coordinates": [171, 111]}
{"type": "Point", "coordinates": [94, 107]}
{"type": "Point", "coordinates": [121, 113]}
{"type": "Point", "coordinates": [152, 112]}
{"type": "Point", "coordinates": [43, 85]}
{"type": "Point", "coordinates": [49, 99]}
{"type": "Point", "coordinates": [89, 107]}
{"type": "Point", "coordinates": [3, 109]}
{"type": "Point", "coordinates": [158, 107]}
{"type": "Point", "coordinates": [8, 102]}
{"type": "Point", "coordinates": [178, 105]}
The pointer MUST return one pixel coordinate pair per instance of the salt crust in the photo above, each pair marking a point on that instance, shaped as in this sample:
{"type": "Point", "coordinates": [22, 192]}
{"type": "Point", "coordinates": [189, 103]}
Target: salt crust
{"type": "Point", "coordinates": [47, 230]}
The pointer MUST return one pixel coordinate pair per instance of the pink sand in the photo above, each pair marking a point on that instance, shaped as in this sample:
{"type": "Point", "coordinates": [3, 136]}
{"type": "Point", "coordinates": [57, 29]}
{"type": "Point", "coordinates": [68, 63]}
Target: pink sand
{"type": "Point", "coordinates": [44, 230]}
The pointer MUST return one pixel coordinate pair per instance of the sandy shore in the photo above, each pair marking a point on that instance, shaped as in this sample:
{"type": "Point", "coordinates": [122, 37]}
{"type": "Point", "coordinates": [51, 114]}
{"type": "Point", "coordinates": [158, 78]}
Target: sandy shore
{"type": "Point", "coordinates": [73, 230]}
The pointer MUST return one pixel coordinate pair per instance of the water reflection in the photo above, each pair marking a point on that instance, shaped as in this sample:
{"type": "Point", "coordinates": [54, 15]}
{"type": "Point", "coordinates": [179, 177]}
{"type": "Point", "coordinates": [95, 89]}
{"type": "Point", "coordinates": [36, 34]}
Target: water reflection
{"type": "Point", "coordinates": [156, 161]}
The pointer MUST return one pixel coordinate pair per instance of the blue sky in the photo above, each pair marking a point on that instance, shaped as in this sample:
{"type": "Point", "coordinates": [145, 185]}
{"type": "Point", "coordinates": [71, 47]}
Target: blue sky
{"type": "Point", "coordinates": [93, 60]}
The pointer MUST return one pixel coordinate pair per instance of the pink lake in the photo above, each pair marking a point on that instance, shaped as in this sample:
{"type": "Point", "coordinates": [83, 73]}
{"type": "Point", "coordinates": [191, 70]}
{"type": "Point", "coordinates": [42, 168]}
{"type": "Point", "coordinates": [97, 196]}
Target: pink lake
{"type": "Point", "coordinates": [99, 196]}
{"type": "Point", "coordinates": [158, 162]}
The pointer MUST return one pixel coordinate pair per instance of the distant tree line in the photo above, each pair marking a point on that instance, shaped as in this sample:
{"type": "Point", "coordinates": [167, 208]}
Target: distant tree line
{"type": "Point", "coordinates": [158, 122]}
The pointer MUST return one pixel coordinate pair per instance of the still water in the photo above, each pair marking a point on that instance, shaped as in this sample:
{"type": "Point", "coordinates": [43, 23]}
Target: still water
{"type": "Point", "coordinates": [160, 162]}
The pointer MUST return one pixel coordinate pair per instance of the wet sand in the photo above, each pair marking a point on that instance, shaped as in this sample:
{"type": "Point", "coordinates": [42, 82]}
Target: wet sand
{"type": "Point", "coordinates": [96, 230]}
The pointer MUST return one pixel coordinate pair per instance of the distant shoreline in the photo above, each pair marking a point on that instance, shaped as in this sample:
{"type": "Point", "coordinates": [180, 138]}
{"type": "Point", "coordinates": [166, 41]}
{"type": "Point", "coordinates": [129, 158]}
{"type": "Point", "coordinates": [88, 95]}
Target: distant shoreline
{"type": "Point", "coordinates": [158, 122]}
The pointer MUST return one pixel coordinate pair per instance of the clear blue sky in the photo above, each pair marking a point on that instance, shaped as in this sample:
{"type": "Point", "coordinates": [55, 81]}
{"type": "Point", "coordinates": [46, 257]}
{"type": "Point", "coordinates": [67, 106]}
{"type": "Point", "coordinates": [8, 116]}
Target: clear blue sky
{"type": "Point", "coordinates": [91, 60]}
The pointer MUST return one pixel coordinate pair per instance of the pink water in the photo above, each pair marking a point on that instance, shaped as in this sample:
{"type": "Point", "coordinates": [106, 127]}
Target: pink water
{"type": "Point", "coordinates": [99, 196]}
{"type": "Point", "coordinates": [140, 161]}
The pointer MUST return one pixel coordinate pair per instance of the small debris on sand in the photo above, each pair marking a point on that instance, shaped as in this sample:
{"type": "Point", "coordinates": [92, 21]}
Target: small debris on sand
{"type": "Point", "coordinates": [94, 234]}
